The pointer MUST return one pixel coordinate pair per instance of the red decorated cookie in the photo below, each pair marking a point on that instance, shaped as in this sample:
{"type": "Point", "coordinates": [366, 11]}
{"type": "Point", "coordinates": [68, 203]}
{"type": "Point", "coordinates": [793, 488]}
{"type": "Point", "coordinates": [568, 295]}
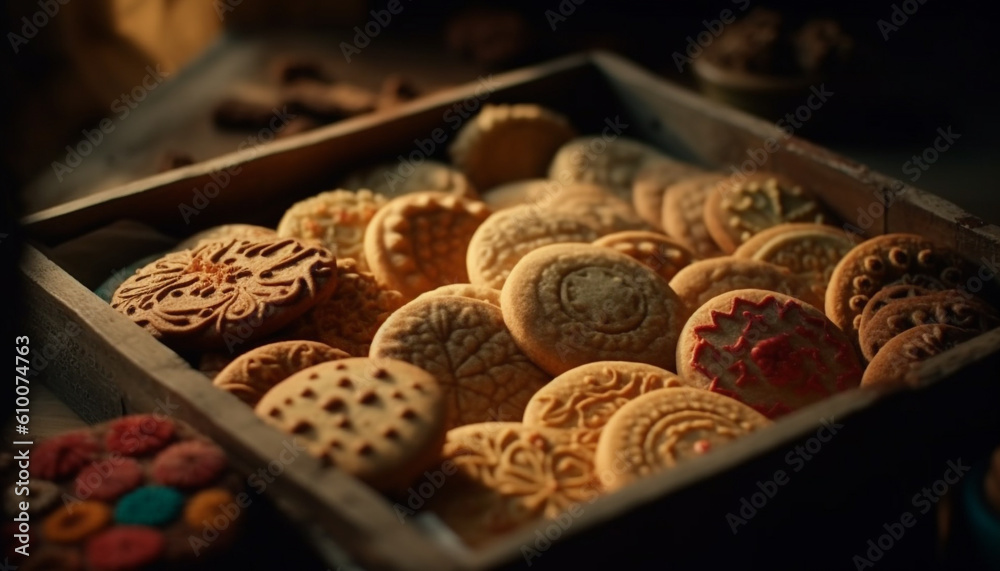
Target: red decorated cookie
{"type": "Point", "coordinates": [139, 434]}
{"type": "Point", "coordinates": [61, 457]}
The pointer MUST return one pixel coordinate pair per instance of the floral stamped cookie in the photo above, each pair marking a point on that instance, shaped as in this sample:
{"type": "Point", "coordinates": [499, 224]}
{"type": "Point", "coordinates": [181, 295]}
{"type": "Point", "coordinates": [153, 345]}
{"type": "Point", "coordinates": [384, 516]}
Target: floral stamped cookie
{"type": "Point", "coordinates": [336, 219]}
{"type": "Point", "coordinates": [257, 371]}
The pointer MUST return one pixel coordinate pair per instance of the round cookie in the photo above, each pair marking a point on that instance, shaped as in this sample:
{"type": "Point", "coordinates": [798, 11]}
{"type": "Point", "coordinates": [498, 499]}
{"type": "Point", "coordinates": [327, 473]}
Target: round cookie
{"type": "Point", "coordinates": [225, 232]}
{"type": "Point", "coordinates": [106, 290]}
{"type": "Point", "coordinates": [663, 428]}
{"type": "Point", "coordinates": [655, 251]}
{"type": "Point", "coordinates": [150, 505]}
{"type": "Point", "coordinates": [885, 260]}
{"type": "Point", "coordinates": [736, 211]}
{"type": "Point", "coordinates": [904, 352]}
{"type": "Point", "coordinates": [593, 205]}
{"type": "Point", "coordinates": [466, 346]}
{"type": "Point", "coordinates": [768, 350]}
{"type": "Point", "coordinates": [683, 215]}
{"type": "Point", "coordinates": [889, 295]}
{"type": "Point", "coordinates": [507, 236]}
{"type": "Point", "coordinates": [189, 465]}
{"type": "Point", "coordinates": [139, 434]}
{"type": "Point", "coordinates": [949, 307]}
{"type": "Point", "coordinates": [518, 192]}
{"type": "Point", "coordinates": [194, 299]}
{"type": "Point", "coordinates": [593, 159]}
{"type": "Point", "coordinates": [255, 372]}
{"type": "Point", "coordinates": [380, 420]}
{"type": "Point", "coordinates": [76, 521]}
{"type": "Point", "coordinates": [109, 481]}
{"type": "Point", "coordinates": [62, 457]}
{"type": "Point", "coordinates": [126, 548]}
{"type": "Point", "coordinates": [509, 475]}
{"type": "Point", "coordinates": [482, 293]}
{"type": "Point", "coordinates": [586, 397]}
{"type": "Point", "coordinates": [651, 183]}
{"type": "Point", "coordinates": [702, 280]}
{"type": "Point", "coordinates": [572, 304]}
{"type": "Point", "coordinates": [396, 179]}
{"type": "Point", "coordinates": [504, 143]}
{"type": "Point", "coordinates": [336, 219]}
{"type": "Point", "coordinates": [418, 242]}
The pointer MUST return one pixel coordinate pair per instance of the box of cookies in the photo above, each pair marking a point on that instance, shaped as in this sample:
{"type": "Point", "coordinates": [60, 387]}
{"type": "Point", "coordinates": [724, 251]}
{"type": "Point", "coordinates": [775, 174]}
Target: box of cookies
{"type": "Point", "coordinates": [571, 314]}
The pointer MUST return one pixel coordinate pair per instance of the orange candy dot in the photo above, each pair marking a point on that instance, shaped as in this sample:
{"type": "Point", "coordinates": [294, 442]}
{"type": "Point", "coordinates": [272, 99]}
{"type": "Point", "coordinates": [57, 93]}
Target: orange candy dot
{"type": "Point", "coordinates": [74, 522]}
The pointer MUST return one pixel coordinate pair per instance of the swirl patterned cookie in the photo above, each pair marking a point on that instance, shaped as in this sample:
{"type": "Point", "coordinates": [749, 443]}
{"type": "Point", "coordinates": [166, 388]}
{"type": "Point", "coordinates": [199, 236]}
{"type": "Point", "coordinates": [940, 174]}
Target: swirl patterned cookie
{"type": "Point", "coordinates": [257, 371]}
{"type": "Point", "coordinates": [663, 428]}
{"type": "Point", "coordinates": [194, 299]}
{"type": "Point", "coordinates": [657, 252]}
{"type": "Point", "coordinates": [336, 219]}
{"type": "Point", "coordinates": [903, 354]}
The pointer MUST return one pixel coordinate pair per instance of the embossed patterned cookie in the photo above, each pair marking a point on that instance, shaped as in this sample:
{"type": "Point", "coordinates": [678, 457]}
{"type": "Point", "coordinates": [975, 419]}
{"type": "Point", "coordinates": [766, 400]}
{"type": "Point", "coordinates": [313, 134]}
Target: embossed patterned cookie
{"type": "Point", "coordinates": [767, 350]}
{"type": "Point", "coordinates": [595, 206]}
{"type": "Point", "coordinates": [885, 260]}
{"type": "Point", "coordinates": [651, 183]}
{"type": "Point", "coordinates": [656, 251]}
{"type": "Point", "coordinates": [531, 191]}
{"type": "Point", "coordinates": [336, 219]}
{"type": "Point", "coordinates": [509, 475]}
{"type": "Point", "coordinates": [683, 215]}
{"type": "Point", "coordinates": [903, 353]}
{"type": "Point", "coordinates": [418, 242]}
{"type": "Point", "coordinates": [572, 304]}
{"type": "Point", "coordinates": [380, 420]}
{"type": "Point", "coordinates": [593, 159]}
{"type": "Point", "coordinates": [705, 279]}
{"type": "Point", "coordinates": [465, 344]}
{"type": "Point", "coordinates": [224, 232]}
{"type": "Point", "coordinates": [661, 429]}
{"type": "Point", "coordinates": [736, 211]}
{"type": "Point", "coordinates": [194, 299]}
{"type": "Point", "coordinates": [504, 143]}
{"type": "Point", "coordinates": [482, 293]}
{"type": "Point", "coordinates": [584, 398]}
{"type": "Point", "coordinates": [507, 236]}
{"type": "Point", "coordinates": [255, 372]}
{"type": "Point", "coordinates": [396, 179]}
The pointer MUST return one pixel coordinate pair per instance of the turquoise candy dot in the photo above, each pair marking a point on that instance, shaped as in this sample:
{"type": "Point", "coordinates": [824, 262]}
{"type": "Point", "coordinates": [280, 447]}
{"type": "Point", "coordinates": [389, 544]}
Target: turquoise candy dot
{"type": "Point", "coordinates": [149, 505]}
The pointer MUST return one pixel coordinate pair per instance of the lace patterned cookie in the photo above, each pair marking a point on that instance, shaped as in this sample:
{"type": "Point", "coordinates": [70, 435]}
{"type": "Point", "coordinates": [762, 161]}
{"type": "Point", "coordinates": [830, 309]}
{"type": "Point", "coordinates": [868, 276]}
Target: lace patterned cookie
{"type": "Point", "coordinates": [380, 420]}
{"type": "Point", "coordinates": [651, 183]}
{"type": "Point", "coordinates": [702, 280]}
{"type": "Point", "coordinates": [903, 353]}
{"type": "Point", "coordinates": [194, 299]}
{"type": "Point", "coordinates": [418, 241]}
{"type": "Point", "coordinates": [572, 304]}
{"type": "Point", "coordinates": [465, 344]}
{"type": "Point", "coordinates": [255, 372]}
{"type": "Point", "coordinates": [482, 293]}
{"type": "Point", "coordinates": [683, 215]}
{"type": "Point", "coordinates": [335, 219]}
{"type": "Point", "coordinates": [585, 398]}
{"type": "Point", "coordinates": [663, 428]}
{"type": "Point", "coordinates": [593, 159]}
{"type": "Point", "coordinates": [655, 251]}
{"type": "Point", "coordinates": [767, 350]}
{"type": "Point", "coordinates": [736, 211]}
{"type": "Point", "coordinates": [395, 179]}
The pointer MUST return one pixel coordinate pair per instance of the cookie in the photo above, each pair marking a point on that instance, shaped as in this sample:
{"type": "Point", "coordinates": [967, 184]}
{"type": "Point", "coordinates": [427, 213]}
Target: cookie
{"type": "Point", "coordinates": [255, 372]}
{"type": "Point", "coordinates": [889, 295]}
{"type": "Point", "coordinates": [518, 192]}
{"type": "Point", "coordinates": [418, 242]}
{"type": "Point", "coordinates": [611, 163]}
{"type": "Point", "coordinates": [656, 251]}
{"type": "Point", "coordinates": [107, 288]}
{"type": "Point", "coordinates": [74, 522]}
{"type": "Point", "coordinates": [651, 183]}
{"type": "Point", "coordinates": [465, 344]}
{"type": "Point", "coordinates": [203, 507]}
{"type": "Point", "coordinates": [482, 293]}
{"type": "Point", "coordinates": [509, 475]}
{"type": "Point", "coordinates": [139, 434]}
{"type": "Point", "coordinates": [768, 350]}
{"type": "Point", "coordinates": [507, 236]}
{"type": "Point", "coordinates": [664, 428]}
{"type": "Point", "coordinates": [396, 179]}
{"type": "Point", "coordinates": [109, 481]}
{"type": "Point", "coordinates": [126, 548]}
{"type": "Point", "coordinates": [335, 220]}
{"type": "Point", "coordinates": [593, 205]}
{"type": "Point", "coordinates": [225, 232]}
{"type": "Point", "coordinates": [949, 307]}
{"type": "Point", "coordinates": [196, 299]}
{"type": "Point", "coordinates": [584, 398]}
{"type": "Point", "coordinates": [380, 420]}
{"type": "Point", "coordinates": [890, 259]}
{"type": "Point", "coordinates": [903, 354]}
{"type": "Point", "coordinates": [189, 464]}
{"type": "Point", "coordinates": [702, 280]}
{"type": "Point", "coordinates": [736, 211]}
{"type": "Point", "coordinates": [683, 215]}
{"type": "Point", "coordinates": [153, 506]}
{"type": "Point", "coordinates": [504, 143]}
{"type": "Point", "coordinates": [349, 318]}
{"type": "Point", "coordinates": [63, 456]}
{"type": "Point", "coordinates": [572, 304]}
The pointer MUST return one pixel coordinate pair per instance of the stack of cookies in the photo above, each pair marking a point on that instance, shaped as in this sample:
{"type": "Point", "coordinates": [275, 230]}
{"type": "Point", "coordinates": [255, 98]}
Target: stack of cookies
{"type": "Point", "coordinates": [547, 319]}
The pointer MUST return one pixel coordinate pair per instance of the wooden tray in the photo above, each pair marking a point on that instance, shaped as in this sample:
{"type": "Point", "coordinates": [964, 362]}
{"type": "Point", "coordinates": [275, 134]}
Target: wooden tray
{"type": "Point", "coordinates": [887, 447]}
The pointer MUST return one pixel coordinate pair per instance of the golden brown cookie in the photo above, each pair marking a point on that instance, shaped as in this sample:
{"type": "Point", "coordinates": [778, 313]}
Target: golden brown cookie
{"type": "Point", "coordinates": [683, 215]}
{"type": "Point", "coordinates": [336, 219]}
{"type": "Point", "coordinates": [418, 242]}
{"type": "Point", "coordinates": [702, 280]}
{"type": "Point", "coordinates": [885, 260]}
{"type": "Point", "coordinates": [651, 183]}
{"type": "Point", "coordinates": [737, 210]}
{"type": "Point", "coordinates": [592, 205]}
{"type": "Point", "coordinates": [519, 192]}
{"type": "Point", "coordinates": [482, 293]}
{"type": "Point", "coordinates": [465, 344]}
{"type": "Point", "coordinates": [507, 236]}
{"type": "Point", "coordinates": [584, 398]}
{"type": "Point", "coordinates": [195, 299]}
{"type": "Point", "coordinates": [509, 475]}
{"type": "Point", "coordinates": [903, 354]}
{"type": "Point", "coordinates": [255, 372]}
{"type": "Point", "coordinates": [223, 232]}
{"type": "Point", "coordinates": [572, 304]}
{"type": "Point", "coordinates": [604, 161]}
{"type": "Point", "coordinates": [395, 179]}
{"type": "Point", "coordinates": [654, 250]}
{"type": "Point", "coordinates": [504, 143]}
{"type": "Point", "coordinates": [663, 428]}
{"type": "Point", "coordinates": [888, 295]}
{"type": "Point", "coordinates": [768, 350]}
{"type": "Point", "coordinates": [379, 420]}
{"type": "Point", "coordinates": [349, 318]}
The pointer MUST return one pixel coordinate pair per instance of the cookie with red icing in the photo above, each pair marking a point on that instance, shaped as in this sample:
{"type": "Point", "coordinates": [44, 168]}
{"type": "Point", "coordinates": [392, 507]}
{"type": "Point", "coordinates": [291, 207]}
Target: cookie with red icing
{"type": "Point", "coordinates": [768, 350]}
